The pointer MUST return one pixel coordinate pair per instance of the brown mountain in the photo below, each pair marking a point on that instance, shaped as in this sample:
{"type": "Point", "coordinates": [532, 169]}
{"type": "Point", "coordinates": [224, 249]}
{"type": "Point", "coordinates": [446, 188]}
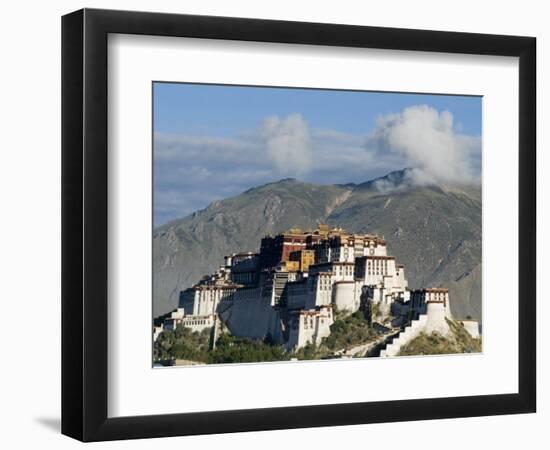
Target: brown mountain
{"type": "Point", "coordinates": [435, 231]}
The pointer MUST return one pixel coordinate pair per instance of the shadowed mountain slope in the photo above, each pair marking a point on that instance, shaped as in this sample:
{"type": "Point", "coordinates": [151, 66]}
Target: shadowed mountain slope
{"type": "Point", "coordinates": [434, 231]}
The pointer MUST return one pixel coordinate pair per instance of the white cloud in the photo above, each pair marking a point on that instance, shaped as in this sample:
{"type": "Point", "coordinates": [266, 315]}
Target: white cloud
{"type": "Point", "coordinates": [429, 143]}
{"type": "Point", "coordinates": [193, 170]}
{"type": "Point", "coordinates": [288, 143]}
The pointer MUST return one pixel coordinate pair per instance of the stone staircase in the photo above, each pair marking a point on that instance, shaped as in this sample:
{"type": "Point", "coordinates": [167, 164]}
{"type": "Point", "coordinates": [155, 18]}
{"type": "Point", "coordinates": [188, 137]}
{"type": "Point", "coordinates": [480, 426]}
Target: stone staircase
{"type": "Point", "coordinates": [382, 342]}
{"type": "Point", "coordinates": [406, 336]}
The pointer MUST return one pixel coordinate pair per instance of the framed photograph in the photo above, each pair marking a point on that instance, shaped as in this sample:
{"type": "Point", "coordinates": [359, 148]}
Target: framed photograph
{"type": "Point", "coordinates": [272, 224]}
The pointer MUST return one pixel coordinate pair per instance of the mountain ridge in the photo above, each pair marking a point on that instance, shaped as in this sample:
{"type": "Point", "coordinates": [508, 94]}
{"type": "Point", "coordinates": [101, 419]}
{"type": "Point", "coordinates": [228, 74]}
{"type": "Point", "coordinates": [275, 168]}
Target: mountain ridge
{"type": "Point", "coordinates": [434, 231]}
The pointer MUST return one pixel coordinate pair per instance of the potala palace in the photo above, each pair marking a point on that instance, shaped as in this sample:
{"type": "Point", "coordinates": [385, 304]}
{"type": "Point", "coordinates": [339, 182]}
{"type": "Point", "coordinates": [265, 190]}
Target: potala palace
{"type": "Point", "coordinates": [291, 290]}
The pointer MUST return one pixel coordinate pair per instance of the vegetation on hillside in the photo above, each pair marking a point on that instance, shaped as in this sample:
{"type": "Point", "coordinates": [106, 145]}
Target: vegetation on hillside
{"type": "Point", "coordinates": [346, 332]}
{"type": "Point", "coordinates": [230, 349]}
{"type": "Point", "coordinates": [458, 341]}
{"type": "Point", "coordinates": [349, 331]}
{"type": "Point", "coordinates": [184, 344]}
{"type": "Point", "coordinates": [309, 352]}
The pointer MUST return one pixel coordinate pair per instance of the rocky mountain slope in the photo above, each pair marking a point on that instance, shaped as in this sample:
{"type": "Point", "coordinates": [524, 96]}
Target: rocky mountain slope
{"type": "Point", "coordinates": [435, 231]}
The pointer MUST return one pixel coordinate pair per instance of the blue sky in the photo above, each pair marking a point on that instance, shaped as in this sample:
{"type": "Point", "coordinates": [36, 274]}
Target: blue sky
{"type": "Point", "coordinates": [213, 141]}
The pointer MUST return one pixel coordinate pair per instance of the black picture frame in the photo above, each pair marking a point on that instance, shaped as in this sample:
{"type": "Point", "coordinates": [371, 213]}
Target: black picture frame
{"type": "Point", "coordinates": [84, 224]}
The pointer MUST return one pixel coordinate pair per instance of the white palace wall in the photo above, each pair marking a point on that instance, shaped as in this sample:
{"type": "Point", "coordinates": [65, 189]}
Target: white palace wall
{"type": "Point", "coordinates": [303, 310]}
{"type": "Point", "coordinates": [198, 323]}
{"type": "Point", "coordinates": [299, 294]}
{"type": "Point", "coordinates": [253, 316]}
{"type": "Point", "coordinates": [309, 327]}
{"type": "Point", "coordinates": [472, 327]}
{"type": "Point", "coordinates": [346, 295]}
{"type": "Point", "coordinates": [437, 314]}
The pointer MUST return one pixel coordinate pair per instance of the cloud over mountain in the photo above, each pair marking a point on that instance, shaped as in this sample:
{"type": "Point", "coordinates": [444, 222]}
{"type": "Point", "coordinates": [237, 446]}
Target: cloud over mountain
{"type": "Point", "coordinates": [288, 143]}
{"type": "Point", "coordinates": [430, 144]}
{"type": "Point", "coordinates": [191, 171]}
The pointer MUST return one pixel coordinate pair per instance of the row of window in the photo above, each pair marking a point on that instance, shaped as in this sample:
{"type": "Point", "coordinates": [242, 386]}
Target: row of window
{"type": "Point", "coordinates": [196, 322]}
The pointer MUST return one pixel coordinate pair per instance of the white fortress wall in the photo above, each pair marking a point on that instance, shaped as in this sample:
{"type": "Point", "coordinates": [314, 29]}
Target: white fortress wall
{"type": "Point", "coordinates": [348, 269]}
{"type": "Point", "coordinates": [472, 327]}
{"type": "Point", "coordinates": [374, 293]}
{"type": "Point", "coordinates": [343, 271]}
{"type": "Point", "coordinates": [300, 333]}
{"type": "Point", "coordinates": [316, 291]}
{"type": "Point", "coordinates": [157, 331]}
{"type": "Point", "coordinates": [374, 279]}
{"type": "Point", "coordinates": [400, 280]}
{"type": "Point", "coordinates": [388, 282]}
{"type": "Point", "coordinates": [170, 324]}
{"type": "Point", "coordinates": [391, 270]}
{"type": "Point", "coordinates": [322, 325]}
{"type": "Point", "coordinates": [203, 300]}
{"type": "Point", "coordinates": [198, 323]}
{"type": "Point", "coordinates": [436, 313]}
{"type": "Point", "coordinates": [206, 301]}
{"type": "Point", "coordinates": [309, 327]}
{"type": "Point", "coordinates": [433, 308]}
{"type": "Point", "coordinates": [178, 314]}
{"type": "Point", "coordinates": [296, 338]}
{"type": "Point", "coordinates": [375, 249]}
{"type": "Point", "coordinates": [299, 294]}
{"type": "Point", "coordinates": [253, 316]}
{"type": "Point", "coordinates": [432, 321]}
{"type": "Point", "coordinates": [346, 295]}
{"type": "Point", "coordinates": [323, 291]}
{"type": "Point", "coordinates": [407, 335]}
{"type": "Point", "coordinates": [187, 301]}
